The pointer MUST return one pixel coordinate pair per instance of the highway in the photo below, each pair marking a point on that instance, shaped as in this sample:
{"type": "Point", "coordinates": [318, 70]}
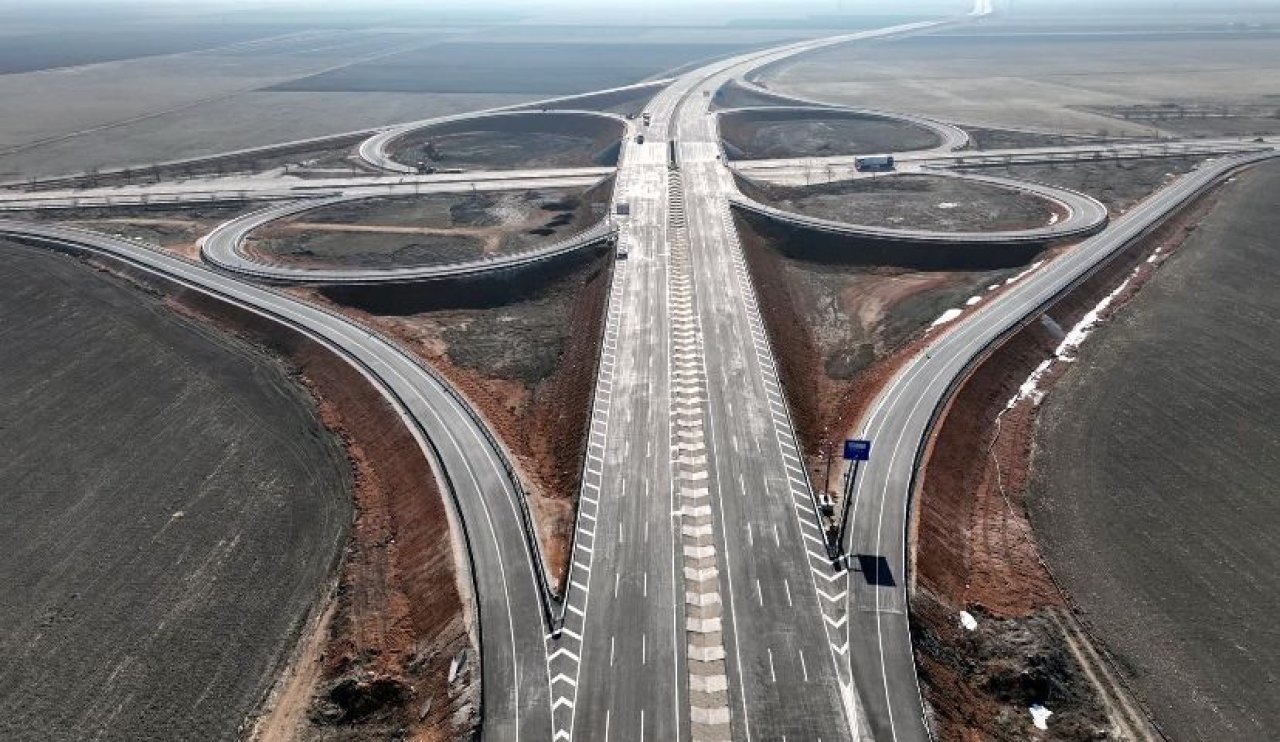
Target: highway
{"type": "Point", "coordinates": [265, 187]}
{"type": "Point", "coordinates": [808, 170]}
{"type": "Point", "coordinates": [701, 602]}
{"type": "Point", "coordinates": [878, 631]}
{"type": "Point", "coordinates": [698, 528]}
{"type": "Point", "coordinates": [502, 569]}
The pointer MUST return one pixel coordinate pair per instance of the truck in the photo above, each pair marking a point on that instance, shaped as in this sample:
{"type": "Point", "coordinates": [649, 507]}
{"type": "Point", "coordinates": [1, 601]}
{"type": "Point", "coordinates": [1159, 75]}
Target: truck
{"type": "Point", "coordinates": [639, 138]}
{"type": "Point", "coordinates": [873, 163]}
{"type": "Point", "coordinates": [647, 117]}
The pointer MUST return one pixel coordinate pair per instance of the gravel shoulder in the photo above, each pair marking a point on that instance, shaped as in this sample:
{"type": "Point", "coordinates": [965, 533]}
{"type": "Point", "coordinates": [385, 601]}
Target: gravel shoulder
{"type": "Point", "coordinates": [173, 506]}
{"type": "Point", "coordinates": [1167, 540]}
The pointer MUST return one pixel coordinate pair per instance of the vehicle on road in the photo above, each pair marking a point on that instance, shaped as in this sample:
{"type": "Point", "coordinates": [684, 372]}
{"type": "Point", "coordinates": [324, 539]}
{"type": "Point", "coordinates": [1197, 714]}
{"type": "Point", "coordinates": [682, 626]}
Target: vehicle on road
{"type": "Point", "coordinates": [874, 163]}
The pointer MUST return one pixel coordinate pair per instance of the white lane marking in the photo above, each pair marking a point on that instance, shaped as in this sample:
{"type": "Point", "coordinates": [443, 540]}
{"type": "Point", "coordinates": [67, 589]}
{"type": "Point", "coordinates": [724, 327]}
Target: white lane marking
{"type": "Point", "coordinates": [772, 675]}
{"type": "Point", "coordinates": [611, 651]}
{"type": "Point", "coordinates": [759, 593]}
{"type": "Point", "coordinates": [804, 669]}
{"type": "Point", "coordinates": [787, 586]}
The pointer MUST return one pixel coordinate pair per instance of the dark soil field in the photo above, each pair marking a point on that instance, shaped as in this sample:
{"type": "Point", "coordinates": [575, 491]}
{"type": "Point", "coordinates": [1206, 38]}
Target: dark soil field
{"type": "Point", "coordinates": [1117, 184]}
{"type": "Point", "coordinates": [761, 135]}
{"type": "Point", "coordinates": [982, 138]}
{"type": "Point", "coordinates": [65, 48]}
{"type": "Point", "coordinates": [429, 230]}
{"type": "Point", "coordinates": [1194, 119]}
{"type": "Point", "coordinates": [548, 68]}
{"type": "Point", "coordinates": [173, 507]}
{"type": "Point", "coordinates": [530, 140]}
{"type": "Point", "coordinates": [928, 202]}
{"type": "Point", "coordinates": [1167, 538]}
{"type": "Point", "coordinates": [523, 349]}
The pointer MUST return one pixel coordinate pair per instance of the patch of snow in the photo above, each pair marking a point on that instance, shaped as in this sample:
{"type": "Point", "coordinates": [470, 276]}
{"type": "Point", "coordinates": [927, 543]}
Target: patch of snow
{"type": "Point", "coordinates": [1066, 350]}
{"type": "Point", "coordinates": [1024, 274]}
{"type": "Point", "coordinates": [993, 287]}
{"type": "Point", "coordinates": [972, 300]}
{"type": "Point", "coordinates": [968, 621]}
{"type": "Point", "coordinates": [947, 205]}
{"type": "Point", "coordinates": [947, 316]}
{"type": "Point", "coordinates": [1040, 716]}
{"type": "Point", "coordinates": [1053, 219]}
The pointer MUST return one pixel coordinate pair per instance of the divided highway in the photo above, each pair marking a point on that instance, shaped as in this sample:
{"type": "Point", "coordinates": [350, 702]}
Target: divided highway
{"type": "Point", "coordinates": [700, 602]}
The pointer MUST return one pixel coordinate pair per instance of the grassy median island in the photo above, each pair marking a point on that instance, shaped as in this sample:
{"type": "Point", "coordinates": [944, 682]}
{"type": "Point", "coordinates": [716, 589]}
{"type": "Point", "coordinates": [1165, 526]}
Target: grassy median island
{"type": "Point", "coordinates": [173, 509]}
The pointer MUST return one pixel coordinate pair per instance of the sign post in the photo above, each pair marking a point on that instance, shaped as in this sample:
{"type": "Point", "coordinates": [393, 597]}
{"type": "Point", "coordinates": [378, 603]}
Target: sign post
{"type": "Point", "coordinates": [856, 451]}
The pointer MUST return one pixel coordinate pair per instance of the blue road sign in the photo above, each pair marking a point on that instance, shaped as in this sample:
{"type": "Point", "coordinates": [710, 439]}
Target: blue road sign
{"type": "Point", "coordinates": [856, 450]}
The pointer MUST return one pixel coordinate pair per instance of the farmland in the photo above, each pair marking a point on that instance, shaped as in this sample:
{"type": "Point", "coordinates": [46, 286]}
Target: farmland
{"type": "Point", "coordinates": [1030, 74]}
{"type": "Point", "coordinates": [173, 509]}
{"type": "Point", "coordinates": [1167, 541]}
{"type": "Point", "coordinates": [513, 67]}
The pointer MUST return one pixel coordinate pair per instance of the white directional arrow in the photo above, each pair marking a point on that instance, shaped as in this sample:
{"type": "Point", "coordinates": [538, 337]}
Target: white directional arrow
{"type": "Point", "coordinates": [562, 678]}
{"type": "Point", "coordinates": [562, 651]}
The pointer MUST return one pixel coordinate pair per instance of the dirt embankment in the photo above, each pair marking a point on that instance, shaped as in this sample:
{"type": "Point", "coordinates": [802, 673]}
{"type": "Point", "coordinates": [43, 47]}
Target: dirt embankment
{"type": "Point", "coordinates": [841, 319]}
{"type": "Point", "coordinates": [400, 617]}
{"type": "Point", "coordinates": [974, 549]}
{"type": "Point", "coordinates": [523, 349]}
